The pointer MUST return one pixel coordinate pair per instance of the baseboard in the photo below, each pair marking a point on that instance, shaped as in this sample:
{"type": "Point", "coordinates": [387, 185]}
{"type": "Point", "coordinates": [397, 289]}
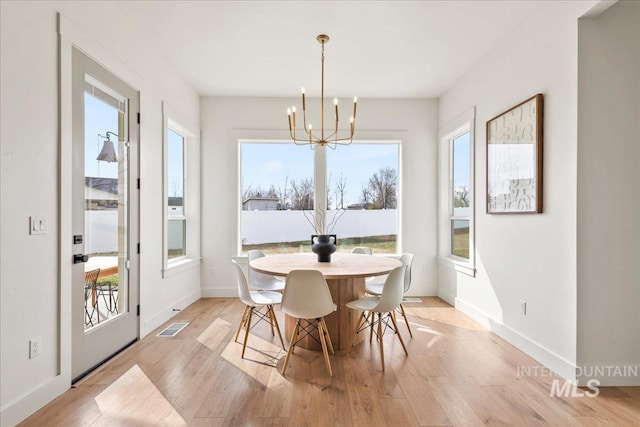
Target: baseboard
{"type": "Point", "coordinates": [167, 313]}
{"type": "Point", "coordinates": [30, 402]}
{"type": "Point", "coordinates": [549, 359]}
{"type": "Point", "coordinates": [609, 374]}
{"type": "Point", "coordinates": [220, 292]}
{"type": "Point", "coordinates": [449, 298]}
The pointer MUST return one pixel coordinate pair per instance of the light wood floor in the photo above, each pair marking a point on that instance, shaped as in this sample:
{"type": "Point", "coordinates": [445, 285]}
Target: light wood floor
{"type": "Point", "coordinates": [457, 373]}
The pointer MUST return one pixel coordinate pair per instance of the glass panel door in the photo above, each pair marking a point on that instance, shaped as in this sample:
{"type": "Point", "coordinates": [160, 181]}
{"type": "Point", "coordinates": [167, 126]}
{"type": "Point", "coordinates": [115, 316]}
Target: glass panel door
{"type": "Point", "coordinates": [104, 215]}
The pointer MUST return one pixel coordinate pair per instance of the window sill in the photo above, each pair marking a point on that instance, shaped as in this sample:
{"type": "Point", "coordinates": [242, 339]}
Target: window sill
{"type": "Point", "coordinates": [180, 266]}
{"type": "Point", "coordinates": [458, 265]}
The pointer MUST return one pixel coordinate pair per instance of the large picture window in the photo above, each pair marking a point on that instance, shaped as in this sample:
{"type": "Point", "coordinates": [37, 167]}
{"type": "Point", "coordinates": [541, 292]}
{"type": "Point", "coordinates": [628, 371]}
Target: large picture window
{"type": "Point", "coordinates": [276, 196]}
{"type": "Point", "coordinates": [279, 184]}
{"type": "Point", "coordinates": [363, 180]}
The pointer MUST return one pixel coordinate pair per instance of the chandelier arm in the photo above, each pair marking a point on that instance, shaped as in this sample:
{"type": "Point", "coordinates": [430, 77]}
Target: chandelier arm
{"type": "Point", "coordinates": [313, 139]}
{"type": "Point", "coordinates": [304, 117]}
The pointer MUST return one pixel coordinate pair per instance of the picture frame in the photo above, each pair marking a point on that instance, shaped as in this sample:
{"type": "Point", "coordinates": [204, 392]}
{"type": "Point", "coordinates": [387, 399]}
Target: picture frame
{"type": "Point", "coordinates": [514, 159]}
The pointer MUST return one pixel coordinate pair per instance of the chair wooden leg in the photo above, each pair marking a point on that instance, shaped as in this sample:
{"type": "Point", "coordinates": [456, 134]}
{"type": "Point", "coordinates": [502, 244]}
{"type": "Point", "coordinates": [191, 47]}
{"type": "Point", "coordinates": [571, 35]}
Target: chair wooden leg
{"type": "Point", "coordinates": [292, 344]}
{"type": "Point", "coordinates": [324, 325]}
{"type": "Point", "coordinates": [324, 347]}
{"type": "Point", "coordinates": [270, 314]}
{"type": "Point", "coordinates": [246, 332]}
{"type": "Point", "coordinates": [363, 319]}
{"type": "Point", "coordinates": [244, 313]}
{"type": "Point", "coordinates": [406, 320]}
{"type": "Point", "coordinates": [275, 322]}
{"type": "Point", "coordinates": [380, 339]}
{"type": "Point", "coordinates": [372, 321]}
{"type": "Point", "coordinates": [395, 325]}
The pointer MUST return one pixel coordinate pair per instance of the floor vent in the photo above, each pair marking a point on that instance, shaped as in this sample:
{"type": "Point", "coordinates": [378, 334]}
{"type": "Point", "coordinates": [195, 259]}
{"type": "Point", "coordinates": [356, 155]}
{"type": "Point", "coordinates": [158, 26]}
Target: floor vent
{"type": "Point", "coordinates": [173, 329]}
{"type": "Point", "coordinates": [411, 299]}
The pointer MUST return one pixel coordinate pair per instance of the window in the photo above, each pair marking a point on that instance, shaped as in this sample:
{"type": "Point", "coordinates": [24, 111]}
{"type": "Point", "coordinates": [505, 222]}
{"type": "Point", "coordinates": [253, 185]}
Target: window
{"type": "Point", "coordinates": [460, 194]}
{"type": "Point", "coordinates": [277, 196]}
{"type": "Point", "coordinates": [363, 179]}
{"type": "Point", "coordinates": [279, 187]}
{"type": "Point", "coordinates": [182, 202]}
{"type": "Point", "coordinates": [176, 238]}
{"type": "Point", "coordinates": [456, 193]}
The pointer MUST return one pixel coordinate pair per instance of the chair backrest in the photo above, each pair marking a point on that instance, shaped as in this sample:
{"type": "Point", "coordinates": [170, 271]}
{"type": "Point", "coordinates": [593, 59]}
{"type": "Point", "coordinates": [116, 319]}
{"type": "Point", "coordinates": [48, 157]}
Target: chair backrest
{"type": "Point", "coordinates": [392, 291]}
{"type": "Point", "coordinates": [256, 279]}
{"type": "Point", "coordinates": [243, 288]}
{"type": "Point", "coordinates": [362, 250]}
{"type": "Point", "coordinates": [407, 260]}
{"type": "Point", "coordinates": [306, 295]}
{"type": "Point", "coordinates": [91, 277]}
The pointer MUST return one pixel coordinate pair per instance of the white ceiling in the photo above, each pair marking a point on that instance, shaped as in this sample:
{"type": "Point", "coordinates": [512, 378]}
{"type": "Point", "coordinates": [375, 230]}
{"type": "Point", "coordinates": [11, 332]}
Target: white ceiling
{"type": "Point", "coordinates": [378, 49]}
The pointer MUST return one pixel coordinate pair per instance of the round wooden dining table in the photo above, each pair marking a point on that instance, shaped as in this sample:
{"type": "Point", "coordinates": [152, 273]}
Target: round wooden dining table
{"type": "Point", "coordinates": [345, 275]}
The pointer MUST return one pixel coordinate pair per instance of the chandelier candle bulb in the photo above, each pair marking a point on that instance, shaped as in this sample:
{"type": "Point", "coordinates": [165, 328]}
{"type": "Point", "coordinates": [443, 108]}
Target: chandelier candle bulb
{"type": "Point", "coordinates": [293, 112]}
{"type": "Point", "coordinates": [355, 102]}
{"type": "Point", "coordinates": [303, 102]}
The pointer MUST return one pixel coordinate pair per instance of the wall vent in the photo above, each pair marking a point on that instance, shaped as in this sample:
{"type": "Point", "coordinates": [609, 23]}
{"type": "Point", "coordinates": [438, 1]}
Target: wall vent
{"type": "Point", "coordinates": [173, 329]}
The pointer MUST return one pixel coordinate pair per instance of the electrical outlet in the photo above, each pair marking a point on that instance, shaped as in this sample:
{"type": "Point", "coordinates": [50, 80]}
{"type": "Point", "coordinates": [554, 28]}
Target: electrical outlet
{"type": "Point", "coordinates": [34, 347]}
{"type": "Point", "coordinates": [523, 307]}
{"type": "Point", "coordinates": [213, 271]}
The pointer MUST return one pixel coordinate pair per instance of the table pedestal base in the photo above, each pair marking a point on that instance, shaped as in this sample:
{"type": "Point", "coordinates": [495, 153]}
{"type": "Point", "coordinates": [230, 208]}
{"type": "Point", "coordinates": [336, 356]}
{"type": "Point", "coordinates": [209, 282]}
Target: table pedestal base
{"type": "Point", "coordinates": [341, 323]}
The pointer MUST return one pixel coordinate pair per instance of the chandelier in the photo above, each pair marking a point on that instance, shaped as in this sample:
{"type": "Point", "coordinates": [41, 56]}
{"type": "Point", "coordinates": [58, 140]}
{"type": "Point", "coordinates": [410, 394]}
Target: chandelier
{"type": "Point", "coordinates": [325, 138]}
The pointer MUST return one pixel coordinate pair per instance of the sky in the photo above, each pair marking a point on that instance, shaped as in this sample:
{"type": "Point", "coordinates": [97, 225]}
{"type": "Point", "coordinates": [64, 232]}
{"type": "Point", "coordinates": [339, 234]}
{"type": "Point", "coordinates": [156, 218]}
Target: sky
{"type": "Point", "coordinates": [99, 118]}
{"type": "Point", "coordinates": [461, 160]}
{"type": "Point", "coordinates": [264, 164]}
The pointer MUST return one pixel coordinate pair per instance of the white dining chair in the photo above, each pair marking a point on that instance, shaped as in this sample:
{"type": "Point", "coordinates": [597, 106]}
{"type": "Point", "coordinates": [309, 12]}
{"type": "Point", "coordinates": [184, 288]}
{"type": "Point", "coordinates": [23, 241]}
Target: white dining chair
{"type": "Point", "coordinates": [364, 250]}
{"type": "Point", "coordinates": [375, 289]}
{"type": "Point", "coordinates": [253, 303]}
{"type": "Point", "coordinates": [261, 281]}
{"type": "Point", "coordinates": [383, 306]}
{"type": "Point", "coordinates": [307, 297]}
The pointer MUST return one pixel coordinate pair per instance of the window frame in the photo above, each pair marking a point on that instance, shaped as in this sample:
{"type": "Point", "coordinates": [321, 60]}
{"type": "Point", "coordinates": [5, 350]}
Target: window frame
{"type": "Point", "coordinates": [462, 124]}
{"type": "Point", "coordinates": [172, 120]}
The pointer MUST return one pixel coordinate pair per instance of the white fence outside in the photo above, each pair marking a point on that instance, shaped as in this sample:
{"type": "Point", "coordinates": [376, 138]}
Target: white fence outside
{"type": "Point", "coordinates": [257, 227]}
{"type": "Point", "coordinates": [102, 236]}
{"type": "Point", "coordinates": [291, 226]}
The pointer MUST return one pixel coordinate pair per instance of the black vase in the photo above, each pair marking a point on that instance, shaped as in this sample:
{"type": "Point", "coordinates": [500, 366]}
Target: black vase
{"type": "Point", "coordinates": [323, 245]}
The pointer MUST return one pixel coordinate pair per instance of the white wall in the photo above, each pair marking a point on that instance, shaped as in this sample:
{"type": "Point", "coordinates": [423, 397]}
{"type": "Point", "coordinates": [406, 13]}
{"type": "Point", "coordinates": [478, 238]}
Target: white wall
{"type": "Point", "coordinates": [526, 257]}
{"type": "Point", "coordinates": [225, 120]}
{"type": "Point", "coordinates": [608, 197]}
{"type": "Point", "coordinates": [31, 266]}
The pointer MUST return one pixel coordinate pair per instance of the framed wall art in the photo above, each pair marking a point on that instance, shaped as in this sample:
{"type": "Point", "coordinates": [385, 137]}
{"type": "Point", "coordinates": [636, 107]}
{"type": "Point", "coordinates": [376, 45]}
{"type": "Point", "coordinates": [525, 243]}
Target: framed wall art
{"type": "Point", "coordinates": [514, 159]}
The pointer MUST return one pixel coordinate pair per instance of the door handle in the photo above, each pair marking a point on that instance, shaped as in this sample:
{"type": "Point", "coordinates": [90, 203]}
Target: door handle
{"type": "Point", "coordinates": [78, 258]}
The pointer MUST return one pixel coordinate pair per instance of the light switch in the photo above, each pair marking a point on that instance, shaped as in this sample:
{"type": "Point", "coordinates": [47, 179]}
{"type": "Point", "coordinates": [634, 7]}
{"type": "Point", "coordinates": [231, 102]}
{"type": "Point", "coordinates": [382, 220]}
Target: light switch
{"type": "Point", "coordinates": [37, 225]}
